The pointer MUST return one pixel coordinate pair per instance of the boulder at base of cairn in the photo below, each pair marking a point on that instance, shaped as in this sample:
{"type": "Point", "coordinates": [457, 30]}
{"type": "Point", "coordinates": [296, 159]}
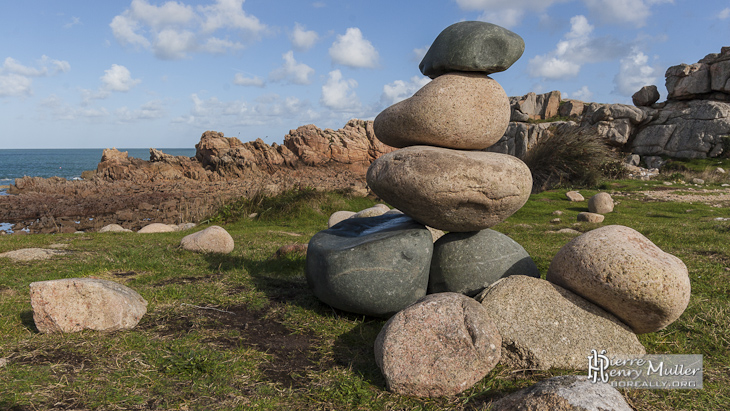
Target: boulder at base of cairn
{"type": "Point", "coordinates": [451, 190]}
{"type": "Point", "coordinates": [213, 239]}
{"type": "Point", "coordinates": [626, 274]}
{"type": "Point", "coordinates": [545, 326]}
{"type": "Point", "coordinates": [565, 393]}
{"type": "Point", "coordinates": [374, 266]}
{"type": "Point", "coordinates": [469, 262]}
{"type": "Point", "coordinates": [442, 345]}
{"type": "Point", "coordinates": [338, 216]}
{"type": "Point", "coordinates": [76, 304]}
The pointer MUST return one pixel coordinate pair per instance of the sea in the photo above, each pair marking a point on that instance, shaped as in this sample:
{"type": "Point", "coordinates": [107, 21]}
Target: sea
{"type": "Point", "coordinates": [65, 163]}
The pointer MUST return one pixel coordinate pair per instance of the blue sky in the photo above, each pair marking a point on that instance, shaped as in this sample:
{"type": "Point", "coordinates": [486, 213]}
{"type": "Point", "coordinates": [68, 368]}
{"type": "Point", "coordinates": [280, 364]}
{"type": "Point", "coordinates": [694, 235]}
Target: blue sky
{"type": "Point", "coordinates": [149, 73]}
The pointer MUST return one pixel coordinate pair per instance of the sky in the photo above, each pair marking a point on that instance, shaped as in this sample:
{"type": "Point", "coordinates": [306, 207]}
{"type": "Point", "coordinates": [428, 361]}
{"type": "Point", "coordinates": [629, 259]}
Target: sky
{"type": "Point", "coordinates": [155, 73]}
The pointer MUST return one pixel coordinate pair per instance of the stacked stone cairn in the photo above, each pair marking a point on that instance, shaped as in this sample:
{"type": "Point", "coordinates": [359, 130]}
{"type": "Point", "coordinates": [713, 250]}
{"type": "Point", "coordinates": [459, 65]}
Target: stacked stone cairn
{"type": "Point", "coordinates": [486, 302]}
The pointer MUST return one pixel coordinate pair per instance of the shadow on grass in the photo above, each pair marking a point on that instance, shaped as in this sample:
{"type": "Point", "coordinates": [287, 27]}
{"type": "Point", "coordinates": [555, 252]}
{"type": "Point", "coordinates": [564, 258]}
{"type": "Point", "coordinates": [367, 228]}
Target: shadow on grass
{"type": "Point", "coordinates": [283, 281]}
{"type": "Point", "coordinates": [26, 318]}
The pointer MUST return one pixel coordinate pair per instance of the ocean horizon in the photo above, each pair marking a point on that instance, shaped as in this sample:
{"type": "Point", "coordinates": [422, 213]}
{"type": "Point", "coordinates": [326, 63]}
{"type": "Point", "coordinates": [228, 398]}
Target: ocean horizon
{"type": "Point", "coordinates": [66, 163]}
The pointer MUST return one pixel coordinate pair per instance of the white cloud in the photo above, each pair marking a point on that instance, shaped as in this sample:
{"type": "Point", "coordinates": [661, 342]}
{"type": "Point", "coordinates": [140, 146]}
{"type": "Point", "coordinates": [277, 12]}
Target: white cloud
{"type": "Point", "coordinates": [724, 14]}
{"type": "Point", "coordinates": [400, 90]}
{"type": "Point", "coordinates": [173, 30]}
{"type": "Point", "coordinates": [292, 72]}
{"type": "Point", "coordinates": [506, 13]}
{"type": "Point", "coordinates": [338, 93]}
{"type": "Point", "coordinates": [118, 78]}
{"type": "Point", "coordinates": [578, 47]}
{"type": "Point", "coordinates": [15, 85]}
{"type": "Point", "coordinates": [60, 110]}
{"type": "Point", "coordinates": [74, 21]}
{"type": "Point", "coordinates": [353, 50]}
{"type": "Point", "coordinates": [634, 12]}
{"type": "Point", "coordinates": [420, 53]}
{"type": "Point", "coordinates": [635, 73]}
{"type": "Point", "coordinates": [584, 94]}
{"type": "Point", "coordinates": [240, 80]}
{"type": "Point", "coordinates": [16, 78]}
{"type": "Point", "coordinates": [302, 39]}
{"type": "Point", "coordinates": [149, 111]}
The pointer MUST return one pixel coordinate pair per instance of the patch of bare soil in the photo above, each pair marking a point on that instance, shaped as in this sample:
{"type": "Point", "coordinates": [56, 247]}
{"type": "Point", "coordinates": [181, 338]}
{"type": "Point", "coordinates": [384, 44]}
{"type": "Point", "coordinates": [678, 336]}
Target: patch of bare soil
{"type": "Point", "coordinates": [689, 195]}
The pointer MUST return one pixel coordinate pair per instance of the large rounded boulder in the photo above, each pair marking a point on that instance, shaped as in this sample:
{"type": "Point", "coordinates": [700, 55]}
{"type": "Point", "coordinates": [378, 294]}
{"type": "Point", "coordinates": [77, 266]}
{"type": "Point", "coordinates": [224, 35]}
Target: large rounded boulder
{"type": "Point", "coordinates": [373, 266]}
{"type": "Point", "coordinates": [620, 270]}
{"type": "Point", "coordinates": [451, 190]}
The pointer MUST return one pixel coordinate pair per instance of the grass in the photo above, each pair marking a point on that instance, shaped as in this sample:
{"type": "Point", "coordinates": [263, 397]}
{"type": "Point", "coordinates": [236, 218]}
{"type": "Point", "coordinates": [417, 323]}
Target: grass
{"type": "Point", "coordinates": [242, 331]}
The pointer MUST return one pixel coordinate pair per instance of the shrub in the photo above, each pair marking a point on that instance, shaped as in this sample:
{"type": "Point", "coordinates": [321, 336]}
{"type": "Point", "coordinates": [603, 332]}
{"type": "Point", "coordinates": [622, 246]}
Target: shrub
{"type": "Point", "coordinates": [577, 158]}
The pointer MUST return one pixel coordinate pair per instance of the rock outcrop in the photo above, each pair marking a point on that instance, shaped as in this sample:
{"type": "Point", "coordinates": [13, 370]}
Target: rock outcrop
{"type": "Point", "coordinates": [694, 122]}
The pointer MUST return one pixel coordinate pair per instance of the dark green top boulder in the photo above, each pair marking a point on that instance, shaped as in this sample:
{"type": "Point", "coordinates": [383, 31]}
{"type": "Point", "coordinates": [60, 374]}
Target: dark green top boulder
{"type": "Point", "coordinates": [472, 46]}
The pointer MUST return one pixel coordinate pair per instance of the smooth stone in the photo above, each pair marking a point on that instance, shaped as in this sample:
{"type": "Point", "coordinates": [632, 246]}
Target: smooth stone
{"type": "Point", "coordinates": [338, 216]}
{"type": "Point", "coordinates": [373, 211]}
{"type": "Point", "coordinates": [574, 196]}
{"type": "Point", "coordinates": [213, 239]}
{"type": "Point", "coordinates": [373, 266]}
{"type": "Point", "coordinates": [590, 217]}
{"type": "Point", "coordinates": [623, 272]}
{"type": "Point", "coordinates": [461, 110]}
{"type": "Point", "coordinates": [76, 304]}
{"type": "Point", "coordinates": [114, 228]}
{"type": "Point", "coordinates": [451, 190]}
{"type": "Point", "coordinates": [441, 345]}
{"type": "Point", "coordinates": [30, 254]}
{"type": "Point", "coordinates": [565, 393]}
{"type": "Point", "coordinates": [545, 326]}
{"type": "Point", "coordinates": [156, 228]}
{"type": "Point", "coordinates": [600, 203]}
{"type": "Point", "coordinates": [469, 262]}
{"type": "Point", "coordinates": [472, 46]}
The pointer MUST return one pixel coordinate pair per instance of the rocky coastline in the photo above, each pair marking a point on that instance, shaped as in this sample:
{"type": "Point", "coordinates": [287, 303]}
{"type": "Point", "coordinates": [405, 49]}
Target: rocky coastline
{"type": "Point", "coordinates": [694, 122]}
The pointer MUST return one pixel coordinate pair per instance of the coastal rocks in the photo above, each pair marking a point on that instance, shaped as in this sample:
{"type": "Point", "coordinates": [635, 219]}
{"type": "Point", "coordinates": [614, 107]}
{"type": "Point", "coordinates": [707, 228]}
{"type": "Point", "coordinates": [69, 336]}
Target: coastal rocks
{"type": "Point", "coordinates": [565, 393]}
{"type": "Point", "coordinates": [448, 112]}
{"type": "Point", "coordinates": [590, 217]}
{"type": "Point", "coordinates": [545, 326]}
{"type": "Point", "coordinates": [156, 228]}
{"type": "Point", "coordinates": [469, 262]}
{"type": "Point", "coordinates": [374, 266]}
{"type": "Point", "coordinates": [574, 196]}
{"type": "Point", "coordinates": [213, 239]}
{"type": "Point", "coordinates": [451, 190]}
{"type": "Point", "coordinates": [600, 203]}
{"type": "Point", "coordinates": [114, 228]}
{"type": "Point", "coordinates": [30, 254]}
{"type": "Point", "coordinates": [472, 46]}
{"type": "Point", "coordinates": [441, 345]}
{"type": "Point", "coordinates": [76, 304]}
{"type": "Point", "coordinates": [623, 272]}
{"type": "Point", "coordinates": [646, 96]}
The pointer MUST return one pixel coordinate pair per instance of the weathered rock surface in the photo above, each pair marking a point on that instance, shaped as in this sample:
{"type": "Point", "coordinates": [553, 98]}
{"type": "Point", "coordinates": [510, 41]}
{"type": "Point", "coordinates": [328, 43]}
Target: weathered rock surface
{"type": "Point", "coordinates": [600, 203]}
{"type": "Point", "coordinates": [565, 393]}
{"type": "Point", "coordinates": [156, 228]}
{"type": "Point", "coordinates": [30, 254]}
{"type": "Point", "coordinates": [451, 190]}
{"type": "Point", "coordinates": [448, 112]}
{"type": "Point", "coordinates": [374, 266]}
{"type": "Point", "coordinates": [646, 96]}
{"type": "Point", "coordinates": [469, 262]}
{"type": "Point", "coordinates": [590, 217]}
{"type": "Point", "coordinates": [623, 272]}
{"type": "Point", "coordinates": [574, 196]}
{"type": "Point", "coordinates": [546, 326]}
{"type": "Point", "coordinates": [214, 239]}
{"type": "Point", "coordinates": [76, 304]}
{"type": "Point", "coordinates": [338, 216]}
{"type": "Point", "coordinates": [709, 78]}
{"type": "Point", "coordinates": [441, 345]}
{"type": "Point", "coordinates": [472, 46]}
{"type": "Point", "coordinates": [114, 228]}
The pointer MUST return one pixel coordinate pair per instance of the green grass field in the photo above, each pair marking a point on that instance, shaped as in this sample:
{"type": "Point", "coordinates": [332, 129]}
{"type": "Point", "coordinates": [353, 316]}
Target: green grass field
{"type": "Point", "coordinates": [243, 331]}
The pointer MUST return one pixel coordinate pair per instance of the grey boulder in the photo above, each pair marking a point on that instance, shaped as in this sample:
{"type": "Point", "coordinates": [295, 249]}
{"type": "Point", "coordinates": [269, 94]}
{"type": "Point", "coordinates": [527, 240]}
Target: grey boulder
{"type": "Point", "coordinates": [373, 266]}
{"type": "Point", "coordinates": [469, 262]}
{"type": "Point", "coordinates": [472, 46]}
{"type": "Point", "coordinates": [565, 393]}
